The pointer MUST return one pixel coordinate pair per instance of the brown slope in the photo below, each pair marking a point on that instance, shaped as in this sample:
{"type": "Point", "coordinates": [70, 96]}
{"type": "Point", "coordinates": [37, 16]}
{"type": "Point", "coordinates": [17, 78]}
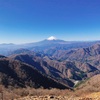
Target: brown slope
{"type": "Point", "coordinates": [87, 68]}
{"type": "Point", "coordinates": [90, 56]}
{"type": "Point", "coordinates": [65, 71]}
{"type": "Point", "coordinates": [43, 66]}
{"type": "Point", "coordinates": [62, 71]}
{"type": "Point", "coordinates": [73, 70]}
{"type": "Point", "coordinates": [81, 54]}
{"type": "Point", "coordinates": [17, 74]}
{"type": "Point", "coordinates": [91, 85]}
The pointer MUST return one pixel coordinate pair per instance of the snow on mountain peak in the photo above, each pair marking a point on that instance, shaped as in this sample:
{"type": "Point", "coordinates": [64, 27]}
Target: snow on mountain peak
{"type": "Point", "coordinates": [51, 38]}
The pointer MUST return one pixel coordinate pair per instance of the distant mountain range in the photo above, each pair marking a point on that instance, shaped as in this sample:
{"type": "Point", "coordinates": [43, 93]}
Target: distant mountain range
{"type": "Point", "coordinates": [46, 46]}
{"type": "Point", "coordinates": [53, 60]}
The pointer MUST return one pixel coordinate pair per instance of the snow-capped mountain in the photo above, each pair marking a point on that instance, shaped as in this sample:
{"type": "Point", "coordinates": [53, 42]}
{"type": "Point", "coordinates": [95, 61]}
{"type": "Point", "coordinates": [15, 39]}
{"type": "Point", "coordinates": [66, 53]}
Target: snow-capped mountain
{"type": "Point", "coordinates": [51, 38]}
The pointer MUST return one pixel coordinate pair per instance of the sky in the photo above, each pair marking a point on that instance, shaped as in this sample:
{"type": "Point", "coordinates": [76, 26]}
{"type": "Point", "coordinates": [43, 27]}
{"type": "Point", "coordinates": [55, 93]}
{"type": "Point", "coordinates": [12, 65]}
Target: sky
{"type": "Point", "coordinates": [25, 21]}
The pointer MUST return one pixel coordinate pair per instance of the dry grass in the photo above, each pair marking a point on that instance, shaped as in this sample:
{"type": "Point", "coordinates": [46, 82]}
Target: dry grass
{"type": "Point", "coordinates": [12, 93]}
{"type": "Point", "coordinates": [87, 90]}
{"type": "Point", "coordinates": [91, 85]}
{"type": "Point", "coordinates": [56, 94]}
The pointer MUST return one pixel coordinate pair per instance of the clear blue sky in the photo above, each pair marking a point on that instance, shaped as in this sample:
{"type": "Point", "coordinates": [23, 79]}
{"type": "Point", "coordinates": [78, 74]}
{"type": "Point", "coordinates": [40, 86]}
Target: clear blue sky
{"type": "Point", "coordinates": [23, 21]}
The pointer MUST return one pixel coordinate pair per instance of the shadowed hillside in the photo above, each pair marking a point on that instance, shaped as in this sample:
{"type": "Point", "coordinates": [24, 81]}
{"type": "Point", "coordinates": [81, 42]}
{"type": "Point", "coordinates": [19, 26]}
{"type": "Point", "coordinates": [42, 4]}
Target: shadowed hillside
{"type": "Point", "coordinates": [17, 74]}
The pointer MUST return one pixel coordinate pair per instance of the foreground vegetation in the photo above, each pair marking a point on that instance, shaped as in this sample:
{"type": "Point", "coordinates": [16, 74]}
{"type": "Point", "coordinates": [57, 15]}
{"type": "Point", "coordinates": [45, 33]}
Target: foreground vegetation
{"type": "Point", "coordinates": [28, 93]}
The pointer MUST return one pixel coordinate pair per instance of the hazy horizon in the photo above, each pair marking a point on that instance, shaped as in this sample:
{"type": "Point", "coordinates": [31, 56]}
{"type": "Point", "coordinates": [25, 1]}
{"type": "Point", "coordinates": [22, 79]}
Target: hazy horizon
{"type": "Point", "coordinates": [50, 40]}
{"type": "Point", "coordinates": [26, 21]}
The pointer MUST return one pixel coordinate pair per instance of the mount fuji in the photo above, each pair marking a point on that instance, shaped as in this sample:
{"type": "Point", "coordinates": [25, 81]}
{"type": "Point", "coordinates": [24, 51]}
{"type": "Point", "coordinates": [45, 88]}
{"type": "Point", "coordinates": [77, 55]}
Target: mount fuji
{"type": "Point", "coordinates": [48, 45]}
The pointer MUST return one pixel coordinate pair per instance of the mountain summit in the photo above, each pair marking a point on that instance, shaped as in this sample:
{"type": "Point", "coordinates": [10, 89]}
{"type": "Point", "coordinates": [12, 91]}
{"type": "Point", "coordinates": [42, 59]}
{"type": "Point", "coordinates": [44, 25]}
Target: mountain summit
{"type": "Point", "coordinates": [52, 38]}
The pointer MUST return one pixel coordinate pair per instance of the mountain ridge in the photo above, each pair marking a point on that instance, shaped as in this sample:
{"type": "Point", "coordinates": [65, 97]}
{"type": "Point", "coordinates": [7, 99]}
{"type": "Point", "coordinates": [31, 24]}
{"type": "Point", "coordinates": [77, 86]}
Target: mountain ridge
{"type": "Point", "coordinates": [17, 74]}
